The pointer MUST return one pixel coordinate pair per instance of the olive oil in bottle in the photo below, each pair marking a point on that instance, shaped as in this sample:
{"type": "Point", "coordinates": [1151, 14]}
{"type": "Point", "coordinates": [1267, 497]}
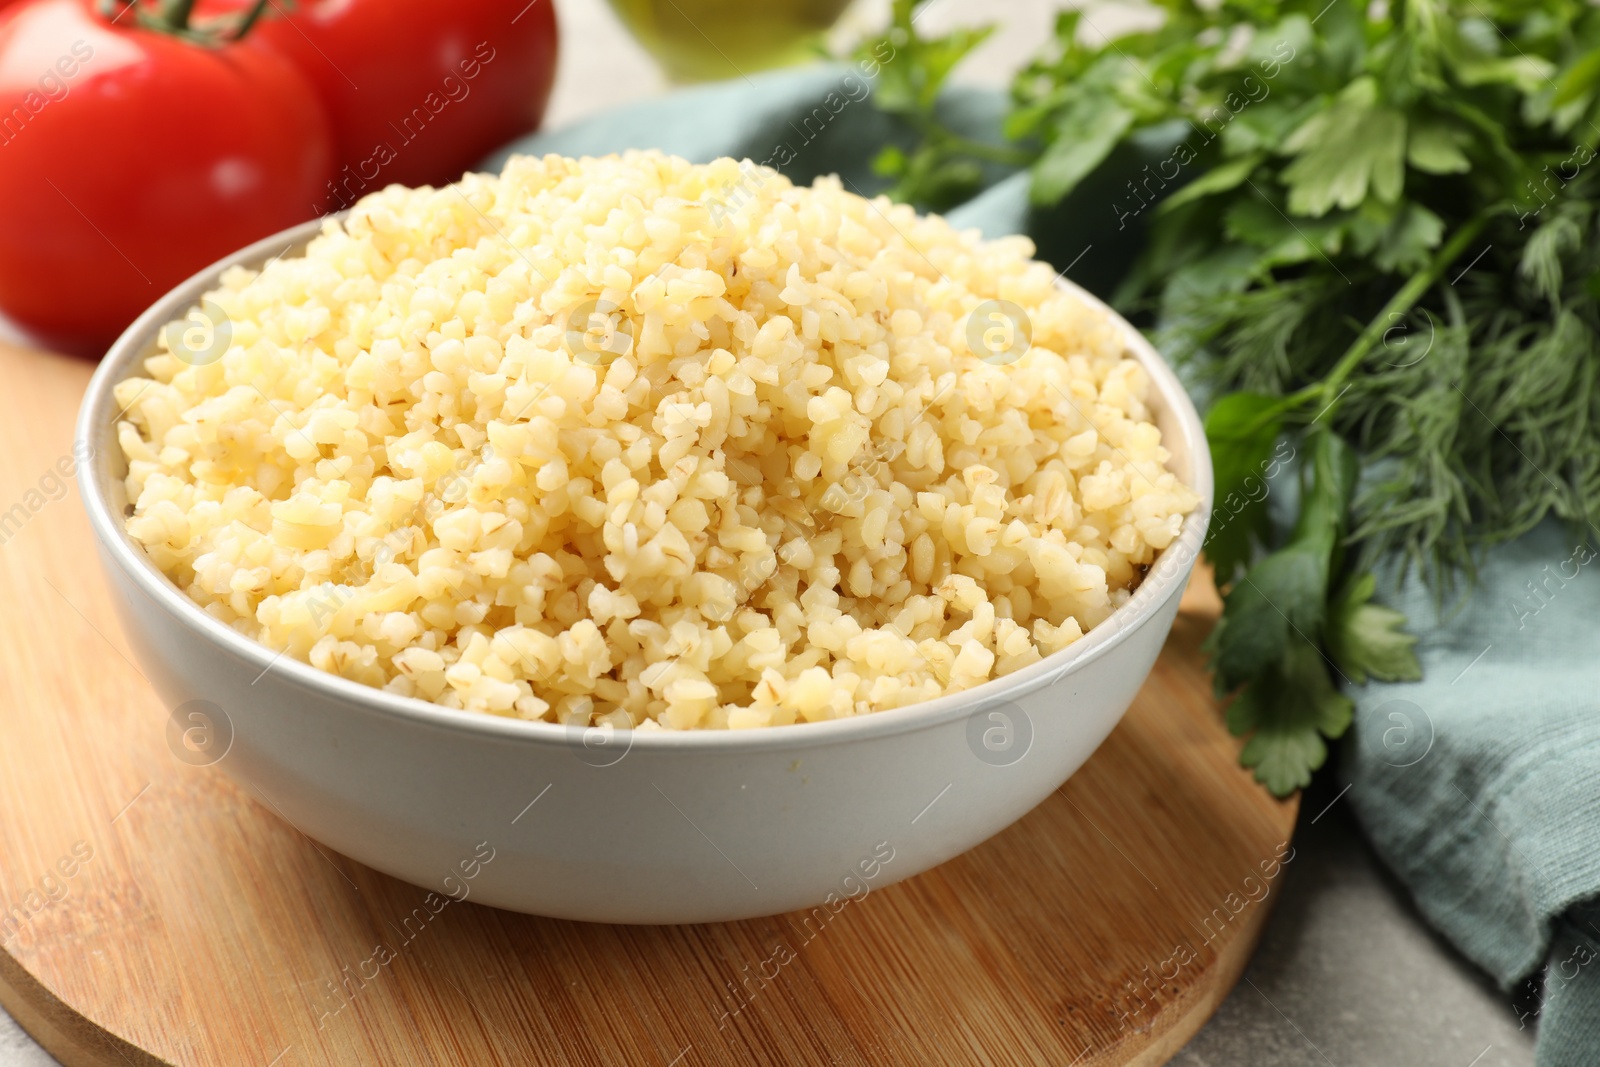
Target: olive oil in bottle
{"type": "Point", "coordinates": [705, 40]}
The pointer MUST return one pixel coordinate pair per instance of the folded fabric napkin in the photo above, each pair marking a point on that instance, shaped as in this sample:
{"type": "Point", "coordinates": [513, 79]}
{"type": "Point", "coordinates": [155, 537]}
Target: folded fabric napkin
{"type": "Point", "coordinates": [1480, 785]}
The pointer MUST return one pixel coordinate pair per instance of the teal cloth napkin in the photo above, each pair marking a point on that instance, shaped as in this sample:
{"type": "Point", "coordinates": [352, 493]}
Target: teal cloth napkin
{"type": "Point", "coordinates": [1480, 785]}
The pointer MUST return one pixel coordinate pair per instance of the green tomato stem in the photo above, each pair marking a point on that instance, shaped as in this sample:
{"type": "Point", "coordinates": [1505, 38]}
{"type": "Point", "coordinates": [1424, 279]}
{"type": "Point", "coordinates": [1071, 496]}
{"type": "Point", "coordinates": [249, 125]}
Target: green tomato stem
{"type": "Point", "coordinates": [175, 14]}
{"type": "Point", "coordinates": [249, 19]}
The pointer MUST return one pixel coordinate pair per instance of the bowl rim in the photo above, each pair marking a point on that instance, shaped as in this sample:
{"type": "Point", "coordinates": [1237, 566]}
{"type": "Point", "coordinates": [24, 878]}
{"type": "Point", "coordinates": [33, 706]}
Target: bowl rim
{"type": "Point", "coordinates": [1164, 579]}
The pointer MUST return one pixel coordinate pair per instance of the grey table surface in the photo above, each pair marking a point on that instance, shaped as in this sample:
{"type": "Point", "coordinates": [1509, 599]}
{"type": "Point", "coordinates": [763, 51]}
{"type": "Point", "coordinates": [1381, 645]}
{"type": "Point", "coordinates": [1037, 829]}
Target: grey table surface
{"type": "Point", "coordinates": [1347, 973]}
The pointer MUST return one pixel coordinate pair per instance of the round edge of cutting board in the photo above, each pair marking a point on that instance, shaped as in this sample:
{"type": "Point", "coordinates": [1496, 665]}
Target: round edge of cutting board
{"type": "Point", "coordinates": [68, 1036]}
{"type": "Point", "coordinates": [1225, 974]}
{"type": "Point", "coordinates": [77, 1041]}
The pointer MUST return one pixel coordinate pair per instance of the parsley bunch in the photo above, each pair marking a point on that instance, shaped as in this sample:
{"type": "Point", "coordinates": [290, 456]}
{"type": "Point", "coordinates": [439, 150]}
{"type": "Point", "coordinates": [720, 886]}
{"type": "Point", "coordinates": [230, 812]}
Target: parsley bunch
{"type": "Point", "coordinates": [1375, 240]}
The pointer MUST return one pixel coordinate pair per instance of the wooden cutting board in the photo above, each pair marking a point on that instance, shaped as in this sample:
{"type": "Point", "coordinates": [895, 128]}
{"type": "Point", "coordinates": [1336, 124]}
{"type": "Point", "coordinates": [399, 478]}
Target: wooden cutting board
{"type": "Point", "coordinates": [153, 912]}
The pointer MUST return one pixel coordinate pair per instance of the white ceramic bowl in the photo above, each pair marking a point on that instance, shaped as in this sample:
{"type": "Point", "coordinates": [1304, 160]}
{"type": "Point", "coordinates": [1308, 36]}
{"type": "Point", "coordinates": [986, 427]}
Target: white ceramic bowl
{"type": "Point", "coordinates": [630, 827]}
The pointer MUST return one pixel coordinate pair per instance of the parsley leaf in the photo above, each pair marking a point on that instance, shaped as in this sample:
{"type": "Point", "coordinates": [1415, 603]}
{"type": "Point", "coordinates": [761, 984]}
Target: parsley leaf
{"type": "Point", "coordinates": [944, 168]}
{"type": "Point", "coordinates": [1219, 179]}
{"type": "Point", "coordinates": [1436, 149]}
{"type": "Point", "coordinates": [1268, 639]}
{"type": "Point", "coordinates": [1341, 153]}
{"type": "Point", "coordinates": [910, 83]}
{"type": "Point", "coordinates": [1287, 712]}
{"type": "Point", "coordinates": [1084, 135]}
{"type": "Point", "coordinates": [1366, 639]}
{"type": "Point", "coordinates": [1242, 429]}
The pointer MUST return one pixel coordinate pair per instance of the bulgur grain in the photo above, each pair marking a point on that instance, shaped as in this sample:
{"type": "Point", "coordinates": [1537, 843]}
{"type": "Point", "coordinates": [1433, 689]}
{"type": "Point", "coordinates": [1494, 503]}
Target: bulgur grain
{"type": "Point", "coordinates": [582, 442]}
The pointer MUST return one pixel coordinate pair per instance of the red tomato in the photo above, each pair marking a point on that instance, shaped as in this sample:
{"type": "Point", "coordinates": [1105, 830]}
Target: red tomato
{"type": "Point", "coordinates": [129, 159]}
{"type": "Point", "coordinates": [419, 90]}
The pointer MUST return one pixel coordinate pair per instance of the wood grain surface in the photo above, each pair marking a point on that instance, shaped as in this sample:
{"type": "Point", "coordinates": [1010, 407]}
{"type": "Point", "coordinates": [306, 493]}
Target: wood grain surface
{"type": "Point", "coordinates": [152, 912]}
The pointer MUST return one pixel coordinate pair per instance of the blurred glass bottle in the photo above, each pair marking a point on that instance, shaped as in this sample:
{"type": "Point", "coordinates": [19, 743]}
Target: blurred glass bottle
{"type": "Point", "coordinates": [704, 40]}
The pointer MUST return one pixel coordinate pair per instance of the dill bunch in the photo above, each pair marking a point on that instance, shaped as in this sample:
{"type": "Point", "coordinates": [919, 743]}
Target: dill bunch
{"type": "Point", "coordinates": [1476, 414]}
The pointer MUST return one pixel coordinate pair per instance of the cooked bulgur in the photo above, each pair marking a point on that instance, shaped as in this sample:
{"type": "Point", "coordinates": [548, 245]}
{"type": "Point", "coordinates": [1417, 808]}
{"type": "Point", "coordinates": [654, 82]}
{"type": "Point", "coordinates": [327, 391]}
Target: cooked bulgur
{"type": "Point", "coordinates": [636, 442]}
